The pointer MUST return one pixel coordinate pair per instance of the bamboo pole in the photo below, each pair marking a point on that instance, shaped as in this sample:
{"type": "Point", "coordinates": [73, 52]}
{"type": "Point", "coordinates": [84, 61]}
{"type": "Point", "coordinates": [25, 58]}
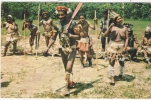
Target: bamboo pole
{"type": "Point", "coordinates": [24, 36]}
{"type": "Point", "coordinates": [2, 21]}
{"type": "Point", "coordinates": [37, 36]}
{"type": "Point", "coordinates": [96, 40]}
{"type": "Point", "coordinates": [108, 18]}
{"type": "Point", "coordinates": [123, 11]}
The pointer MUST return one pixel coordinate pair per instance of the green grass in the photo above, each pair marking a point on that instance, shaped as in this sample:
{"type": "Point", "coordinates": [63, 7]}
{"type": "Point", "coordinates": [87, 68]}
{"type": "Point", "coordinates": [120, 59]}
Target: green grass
{"type": "Point", "coordinates": [138, 27]}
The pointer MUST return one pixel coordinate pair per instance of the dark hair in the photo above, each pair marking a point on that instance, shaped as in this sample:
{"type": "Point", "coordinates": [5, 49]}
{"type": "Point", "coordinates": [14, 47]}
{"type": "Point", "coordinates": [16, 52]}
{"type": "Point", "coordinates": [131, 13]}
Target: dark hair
{"type": "Point", "coordinates": [83, 15]}
{"type": "Point", "coordinates": [114, 19]}
{"type": "Point", "coordinates": [149, 34]}
{"type": "Point", "coordinates": [45, 12]}
{"type": "Point", "coordinates": [65, 12]}
{"type": "Point", "coordinates": [29, 20]}
{"type": "Point", "coordinates": [105, 12]}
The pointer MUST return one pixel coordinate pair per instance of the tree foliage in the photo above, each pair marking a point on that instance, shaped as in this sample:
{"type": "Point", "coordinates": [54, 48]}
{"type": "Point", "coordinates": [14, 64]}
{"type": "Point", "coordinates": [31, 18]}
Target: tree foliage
{"type": "Point", "coordinates": [131, 10]}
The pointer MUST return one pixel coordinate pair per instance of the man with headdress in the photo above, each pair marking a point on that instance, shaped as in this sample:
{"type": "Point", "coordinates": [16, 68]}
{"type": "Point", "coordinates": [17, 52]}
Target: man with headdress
{"type": "Point", "coordinates": [117, 46]}
{"type": "Point", "coordinates": [12, 33]}
{"type": "Point", "coordinates": [67, 41]}
{"type": "Point", "coordinates": [49, 30]}
{"type": "Point", "coordinates": [33, 32]}
{"type": "Point", "coordinates": [84, 43]}
{"type": "Point", "coordinates": [132, 50]}
{"type": "Point", "coordinates": [146, 43]}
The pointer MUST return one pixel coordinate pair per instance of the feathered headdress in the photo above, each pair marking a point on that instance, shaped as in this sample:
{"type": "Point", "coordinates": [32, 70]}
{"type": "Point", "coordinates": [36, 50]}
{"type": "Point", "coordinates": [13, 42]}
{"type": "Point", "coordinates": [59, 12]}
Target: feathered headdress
{"type": "Point", "coordinates": [63, 8]}
{"type": "Point", "coordinates": [148, 28]}
{"type": "Point", "coordinates": [112, 14]}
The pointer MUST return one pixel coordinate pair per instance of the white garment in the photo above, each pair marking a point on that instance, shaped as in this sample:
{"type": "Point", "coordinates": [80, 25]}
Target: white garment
{"type": "Point", "coordinates": [84, 40]}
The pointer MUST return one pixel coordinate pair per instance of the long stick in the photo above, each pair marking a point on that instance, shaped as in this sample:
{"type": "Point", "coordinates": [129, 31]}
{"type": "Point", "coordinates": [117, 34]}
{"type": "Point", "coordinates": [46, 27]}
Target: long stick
{"type": "Point", "coordinates": [37, 36]}
{"type": "Point", "coordinates": [123, 11]}
{"type": "Point", "coordinates": [108, 18]}
{"type": "Point", "coordinates": [24, 36]}
{"type": "Point", "coordinates": [96, 41]}
{"type": "Point", "coordinates": [2, 21]}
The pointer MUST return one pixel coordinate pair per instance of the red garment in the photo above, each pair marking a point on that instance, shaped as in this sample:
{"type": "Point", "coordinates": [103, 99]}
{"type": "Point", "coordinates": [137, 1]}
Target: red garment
{"type": "Point", "coordinates": [83, 46]}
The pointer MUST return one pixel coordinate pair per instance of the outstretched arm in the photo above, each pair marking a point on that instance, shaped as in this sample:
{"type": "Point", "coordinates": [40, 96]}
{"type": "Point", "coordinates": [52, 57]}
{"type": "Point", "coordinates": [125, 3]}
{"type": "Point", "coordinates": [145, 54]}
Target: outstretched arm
{"type": "Point", "coordinates": [108, 30]}
{"type": "Point", "coordinates": [91, 26]}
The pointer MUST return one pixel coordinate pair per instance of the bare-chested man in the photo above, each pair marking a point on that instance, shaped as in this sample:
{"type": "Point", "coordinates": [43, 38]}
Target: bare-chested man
{"type": "Point", "coordinates": [12, 33]}
{"type": "Point", "coordinates": [34, 31]}
{"type": "Point", "coordinates": [48, 25]}
{"type": "Point", "coordinates": [83, 44]}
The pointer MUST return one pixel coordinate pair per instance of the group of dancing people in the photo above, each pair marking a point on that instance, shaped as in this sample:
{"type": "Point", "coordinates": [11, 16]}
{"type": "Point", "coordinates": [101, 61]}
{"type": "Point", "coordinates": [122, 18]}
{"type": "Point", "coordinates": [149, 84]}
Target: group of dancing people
{"type": "Point", "coordinates": [76, 37]}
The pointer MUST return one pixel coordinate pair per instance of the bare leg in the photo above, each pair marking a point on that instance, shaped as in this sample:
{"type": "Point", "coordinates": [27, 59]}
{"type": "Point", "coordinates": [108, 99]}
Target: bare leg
{"type": "Point", "coordinates": [89, 58]}
{"type": "Point", "coordinates": [146, 57]}
{"type": "Point", "coordinates": [68, 61]}
{"type": "Point", "coordinates": [81, 58]}
{"type": "Point", "coordinates": [111, 69]}
{"type": "Point", "coordinates": [7, 43]}
{"type": "Point", "coordinates": [14, 47]}
{"type": "Point", "coordinates": [122, 66]}
{"type": "Point", "coordinates": [47, 41]}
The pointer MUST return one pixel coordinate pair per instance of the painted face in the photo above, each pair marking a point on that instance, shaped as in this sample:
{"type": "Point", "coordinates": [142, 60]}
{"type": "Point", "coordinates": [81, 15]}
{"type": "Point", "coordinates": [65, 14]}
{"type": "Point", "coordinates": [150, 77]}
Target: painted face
{"type": "Point", "coordinates": [61, 15]}
{"type": "Point", "coordinates": [119, 20]}
{"type": "Point", "coordinates": [82, 19]}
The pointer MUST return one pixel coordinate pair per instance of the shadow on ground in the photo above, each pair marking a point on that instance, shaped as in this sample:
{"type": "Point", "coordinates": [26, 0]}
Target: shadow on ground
{"type": "Point", "coordinates": [125, 77]}
{"type": "Point", "coordinates": [4, 84]}
{"type": "Point", "coordinates": [83, 86]}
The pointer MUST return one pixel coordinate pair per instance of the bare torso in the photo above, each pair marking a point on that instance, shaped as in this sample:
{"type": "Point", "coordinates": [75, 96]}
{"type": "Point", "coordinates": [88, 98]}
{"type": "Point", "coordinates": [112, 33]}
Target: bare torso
{"type": "Point", "coordinates": [47, 24]}
{"type": "Point", "coordinates": [11, 28]}
{"type": "Point", "coordinates": [85, 29]}
{"type": "Point", "coordinates": [121, 33]}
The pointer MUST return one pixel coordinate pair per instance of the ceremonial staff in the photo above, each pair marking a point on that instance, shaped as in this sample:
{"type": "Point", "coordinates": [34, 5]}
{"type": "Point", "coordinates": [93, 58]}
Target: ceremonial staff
{"type": "Point", "coordinates": [95, 23]}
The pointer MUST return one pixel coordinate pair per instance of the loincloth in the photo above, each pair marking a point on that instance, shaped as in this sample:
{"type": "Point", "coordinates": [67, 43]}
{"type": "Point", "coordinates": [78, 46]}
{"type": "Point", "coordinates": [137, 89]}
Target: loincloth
{"type": "Point", "coordinates": [68, 50]}
{"type": "Point", "coordinates": [12, 37]}
{"type": "Point", "coordinates": [50, 33]}
{"type": "Point", "coordinates": [114, 51]}
{"type": "Point", "coordinates": [83, 44]}
{"type": "Point", "coordinates": [115, 47]}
